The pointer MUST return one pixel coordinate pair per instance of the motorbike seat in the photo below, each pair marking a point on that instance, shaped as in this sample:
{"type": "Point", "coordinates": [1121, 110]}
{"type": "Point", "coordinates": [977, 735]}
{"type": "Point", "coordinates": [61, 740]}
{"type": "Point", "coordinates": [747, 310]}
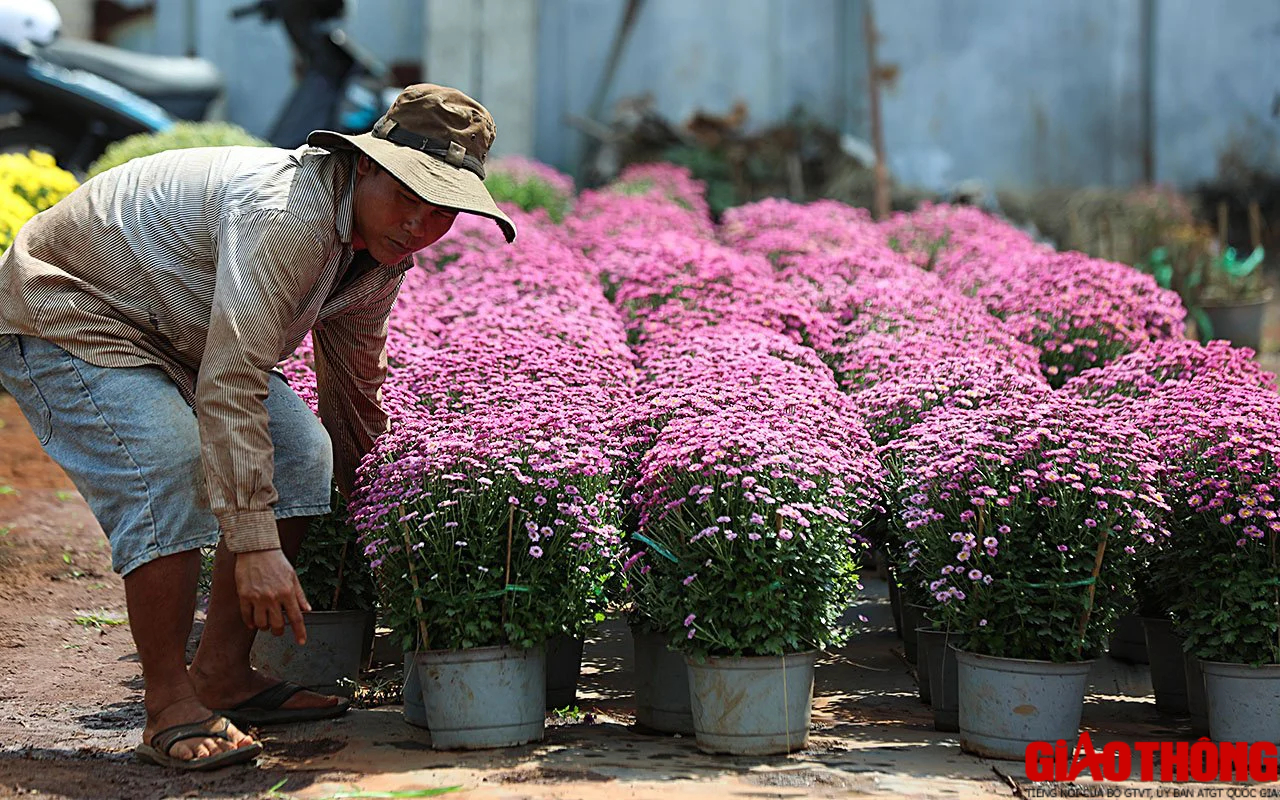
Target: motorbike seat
{"type": "Point", "coordinates": [143, 73]}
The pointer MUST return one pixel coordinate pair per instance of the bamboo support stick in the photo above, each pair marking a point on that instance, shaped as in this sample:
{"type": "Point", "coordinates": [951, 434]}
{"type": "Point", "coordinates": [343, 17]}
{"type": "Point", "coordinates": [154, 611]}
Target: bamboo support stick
{"type": "Point", "coordinates": [417, 593]}
{"type": "Point", "coordinates": [511, 523]}
{"type": "Point", "coordinates": [337, 589]}
{"type": "Point", "coordinates": [1093, 587]}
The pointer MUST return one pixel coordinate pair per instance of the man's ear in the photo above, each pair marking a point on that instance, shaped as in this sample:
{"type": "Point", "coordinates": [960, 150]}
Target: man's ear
{"type": "Point", "coordinates": [366, 166]}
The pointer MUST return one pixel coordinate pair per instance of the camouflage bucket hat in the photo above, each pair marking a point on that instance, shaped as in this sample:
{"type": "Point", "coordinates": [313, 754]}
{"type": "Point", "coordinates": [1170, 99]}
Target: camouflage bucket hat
{"type": "Point", "coordinates": [434, 140]}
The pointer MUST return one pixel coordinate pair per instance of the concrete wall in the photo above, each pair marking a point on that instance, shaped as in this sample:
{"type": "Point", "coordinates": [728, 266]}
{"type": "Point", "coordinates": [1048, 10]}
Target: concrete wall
{"type": "Point", "coordinates": [689, 55]}
{"type": "Point", "coordinates": [255, 57]}
{"type": "Point", "coordinates": [77, 17]}
{"type": "Point", "coordinates": [1217, 86]}
{"type": "Point", "coordinates": [488, 49]}
{"type": "Point", "coordinates": [1050, 93]}
{"type": "Point", "coordinates": [1015, 93]}
{"type": "Point", "coordinates": [1018, 93]}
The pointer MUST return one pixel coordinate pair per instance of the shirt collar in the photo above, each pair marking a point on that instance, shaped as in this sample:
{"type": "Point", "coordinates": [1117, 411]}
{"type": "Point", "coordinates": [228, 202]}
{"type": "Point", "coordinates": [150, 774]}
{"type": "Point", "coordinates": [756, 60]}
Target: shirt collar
{"type": "Point", "coordinates": [344, 221]}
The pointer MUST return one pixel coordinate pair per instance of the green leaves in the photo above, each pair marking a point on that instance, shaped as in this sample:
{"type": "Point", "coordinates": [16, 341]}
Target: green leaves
{"type": "Point", "coordinates": [528, 193]}
{"type": "Point", "coordinates": [1229, 604]}
{"type": "Point", "coordinates": [445, 570]}
{"type": "Point", "coordinates": [275, 791]}
{"type": "Point", "coordinates": [331, 566]}
{"type": "Point", "coordinates": [767, 596]}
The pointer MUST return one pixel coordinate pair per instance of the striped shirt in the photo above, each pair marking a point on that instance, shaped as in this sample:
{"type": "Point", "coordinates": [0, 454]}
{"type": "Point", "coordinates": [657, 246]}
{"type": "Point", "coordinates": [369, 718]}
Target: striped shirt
{"type": "Point", "coordinates": [213, 265]}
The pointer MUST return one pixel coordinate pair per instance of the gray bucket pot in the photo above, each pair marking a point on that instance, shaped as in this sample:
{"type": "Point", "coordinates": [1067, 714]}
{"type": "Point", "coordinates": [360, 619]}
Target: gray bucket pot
{"type": "Point", "coordinates": [923, 667]}
{"type": "Point", "coordinates": [662, 686]}
{"type": "Point", "coordinates": [415, 713]}
{"type": "Point", "coordinates": [895, 604]}
{"type": "Point", "coordinates": [485, 697]}
{"type": "Point", "coordinates": [329, 662]}
{"type": "Point", "coordinates": [564, 668]}
{"type": "Point", "coordinates": [386, 648]}
{"type": "Point", "coordinates": [1129, 642]}
{"type": "Point", "coordinates": [1197, 702]}
{"type": "Point", "coordinates": [944, 688]}
{"type": "Point", "coordinates": [1239, 324]}
{"type": "Point", "coordinates": [1168, 667]}
{"type": "Point", "coordinates": [912, 619]}
{"type": "Point", "coordinates": [752, 706]}
{"type": "Point", "coordinates": [1008, 703]}
{"type": "Point", "coordinates": [1244, 702]}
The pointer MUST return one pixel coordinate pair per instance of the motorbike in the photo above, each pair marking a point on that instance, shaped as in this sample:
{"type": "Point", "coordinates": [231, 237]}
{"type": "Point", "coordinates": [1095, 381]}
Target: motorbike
{"type": "Point", "coordinates": [187, 88]}
{"type": "Point", "coordinates": [341, 86]}
{"type": "Point", "coordinates": [74, 99]}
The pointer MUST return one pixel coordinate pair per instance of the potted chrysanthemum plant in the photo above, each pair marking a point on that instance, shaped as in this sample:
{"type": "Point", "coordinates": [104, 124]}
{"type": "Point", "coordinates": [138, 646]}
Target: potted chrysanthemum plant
{"type": "Point", "coordinates": [1027, 521]}
{"type": "Point", "coordinates": [1222, 443]}
{"type": "Point", "coordinates": [749, 554]}
{"type": "Point", "coordinates": [339, 585]}
{"type": "Point", "coordinates": [482, 557]}
{"type": "Point", "coordinates": [1212, 412]}
{"type": "Point", "coordinates": [922, 388]}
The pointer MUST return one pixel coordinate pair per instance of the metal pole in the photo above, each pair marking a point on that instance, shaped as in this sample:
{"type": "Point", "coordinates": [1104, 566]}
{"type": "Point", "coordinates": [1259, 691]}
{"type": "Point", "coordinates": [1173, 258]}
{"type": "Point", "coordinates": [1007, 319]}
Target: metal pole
{"type": "Point", "coordinates": [193, 48]}
{"type": "Point", "coordinates": [881, 209]}
{"type": "Point", "coordinates": [1147, 50]}
{"type": "Point", "coordinates": [596, 109]}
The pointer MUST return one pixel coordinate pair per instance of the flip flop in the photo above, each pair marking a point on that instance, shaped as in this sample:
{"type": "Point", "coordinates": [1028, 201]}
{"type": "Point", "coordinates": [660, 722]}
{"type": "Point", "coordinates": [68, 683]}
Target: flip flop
{"type": "Point", "coordinates": [264, 708]}
{"type": "Point", "coordinates": [162, 742]}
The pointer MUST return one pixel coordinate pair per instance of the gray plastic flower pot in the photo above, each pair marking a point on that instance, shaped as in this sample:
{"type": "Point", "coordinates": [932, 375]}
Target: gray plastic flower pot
{"type": "Point", "coordinates": [912, 619]}
{"type": "Point", "coordinates": [1197, 701]}
{"type": "Point", "coordinates": [1244, 702]}
{"type": "Point", "coordinates": [923, 666]}
{"type": "Point", "coordinates": [486, 697]}
{"type": "Point", "coordinates": [895, 604]}
{"type": "Point", "coordinates": [662, 686]}
{"type": "Point", "coordinates": [1008, 703]}
{"type": "Point", "coordinates": [755, 705]}
{"type": "Point", "coordinates": [1168, 667]}
{"type": "Point", "coordinates": [1240, 324]}
{"type": "Point", "coordinates": [415, 713]}
{"type": "Point", "coordinates": [564, 668]}
{"type": "Point", "coordinates": [944, 691]}
{"type": "Point", "coordinates": [1129, 642]}
{"type": "Point", "coordinates": [330, 660]}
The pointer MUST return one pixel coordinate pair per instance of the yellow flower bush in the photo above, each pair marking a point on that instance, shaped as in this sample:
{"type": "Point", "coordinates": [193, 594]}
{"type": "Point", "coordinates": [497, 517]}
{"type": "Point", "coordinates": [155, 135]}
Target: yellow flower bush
{"type": "Point", "coordinates": [28, 185]}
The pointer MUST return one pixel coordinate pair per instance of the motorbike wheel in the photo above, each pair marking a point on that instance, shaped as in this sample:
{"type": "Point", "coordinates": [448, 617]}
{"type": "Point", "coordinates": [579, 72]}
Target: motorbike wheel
{"type": "Point", "coordinates": [66, 148]}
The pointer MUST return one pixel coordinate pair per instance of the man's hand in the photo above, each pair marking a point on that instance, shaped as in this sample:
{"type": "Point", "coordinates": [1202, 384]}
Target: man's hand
{"type": "Point", "coordinates": [267, 585]}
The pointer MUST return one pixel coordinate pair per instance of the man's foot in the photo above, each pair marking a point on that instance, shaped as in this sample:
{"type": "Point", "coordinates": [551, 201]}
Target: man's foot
{"type": "Point", "coordinates": [191, 711]}
{"type": "Point", "coordinates": [227, 692]}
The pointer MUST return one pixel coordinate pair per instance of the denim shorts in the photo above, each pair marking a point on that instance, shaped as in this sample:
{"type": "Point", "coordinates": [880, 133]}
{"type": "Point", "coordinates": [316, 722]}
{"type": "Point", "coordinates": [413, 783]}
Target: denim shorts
{"type": "Point", "coordinates": [129, 442]}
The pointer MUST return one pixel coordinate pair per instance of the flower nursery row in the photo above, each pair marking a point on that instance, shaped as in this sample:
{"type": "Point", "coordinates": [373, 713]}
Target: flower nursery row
{"type": "Point", "coordinates": [1028, 519]}
{"type": "Point", "coordinates": [709, 425]}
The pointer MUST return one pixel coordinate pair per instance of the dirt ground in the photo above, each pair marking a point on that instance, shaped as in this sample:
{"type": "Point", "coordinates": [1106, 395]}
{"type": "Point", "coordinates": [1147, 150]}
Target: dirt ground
{"type": "Point", "coordinates": [71, 701]}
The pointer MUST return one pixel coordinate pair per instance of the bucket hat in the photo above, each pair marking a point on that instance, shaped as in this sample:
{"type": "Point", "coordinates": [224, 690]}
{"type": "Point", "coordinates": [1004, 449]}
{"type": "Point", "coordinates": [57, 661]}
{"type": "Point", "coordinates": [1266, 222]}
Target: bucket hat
{"type": "Point", "coordinates": [434, 140]}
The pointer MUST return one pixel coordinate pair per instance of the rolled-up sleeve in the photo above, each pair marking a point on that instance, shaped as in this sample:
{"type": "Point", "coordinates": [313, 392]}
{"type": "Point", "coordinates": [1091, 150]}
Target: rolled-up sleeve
{"type": "Point", "coordinates": [267, 260]}
{"type": "Point", "coordinates": [351, 365]}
